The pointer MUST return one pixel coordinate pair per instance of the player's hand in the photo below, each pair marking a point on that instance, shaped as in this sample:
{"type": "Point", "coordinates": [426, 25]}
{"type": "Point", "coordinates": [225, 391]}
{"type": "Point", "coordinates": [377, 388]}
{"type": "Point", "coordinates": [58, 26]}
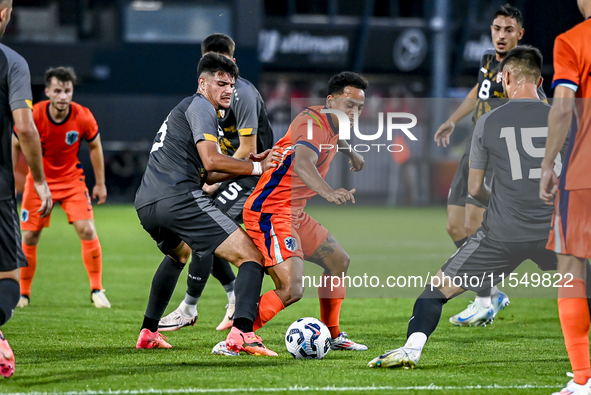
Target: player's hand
{"type": "Point", "coordinates": [99, 192]}
{"type": "Point", "coordinates": [42, 190]}
{"type": "Point", "coordinates": [357, 161]}
{"type": "Point", "coordinates": [210, 189]}
{"type": "Point", "coordinates": [443, 134]}
{"type": "Point", "coordinates": [271, 159]}
{"type": "Point", "coordinates": [548, 183]}
{"type": "Point", "coordinates": [274, 152]}
{"type": "Point", "coordinates": [341, 196]}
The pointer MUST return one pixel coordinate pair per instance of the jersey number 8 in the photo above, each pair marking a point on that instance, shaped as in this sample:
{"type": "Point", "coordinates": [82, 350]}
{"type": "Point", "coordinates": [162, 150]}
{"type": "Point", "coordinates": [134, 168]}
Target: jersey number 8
{"type": "Point", "coordinates": [527, 136]}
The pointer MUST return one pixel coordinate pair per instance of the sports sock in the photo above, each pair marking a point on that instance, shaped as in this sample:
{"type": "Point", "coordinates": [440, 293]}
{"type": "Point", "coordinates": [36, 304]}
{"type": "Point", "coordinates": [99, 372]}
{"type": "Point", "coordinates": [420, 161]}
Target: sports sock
{"type": "Point", "coordinates": [92, 257]}
{"type": "Point", "coordinates": [269, 306]}
{"type": "Point", "coordinates": [230, 292]}
{"type": "Point", "coordinates": [163, 285]}
{"type": "Point", "coordinates": [27, 273]}
{"type": "Point", "coordinates": [199, 270]}
{"type": "Point", "coordinates": [248, 289]}
{"type": "Point", "coordinates": [416, 340]}
{"type": "Point", "coordinates": [189, 309]}
{"type": "Point", "coordinates": [485, 293]}
{"type": "Point", "coordinates": [10, 293]}
{"type": "Point", "coordinates": [222, 270]}
{"type": "Point", "coordinates": [483, 301]}
{"type": "Point", "coordinates": [426, 312]}
{"type": "Point", "coordinates": [588, 287]}
{"type": "Point", "coordinates": [459, 243]}
{"type": "Point", "coordinates": [574, 319]}
{"type": "Point", "coordinates": [331, 298]}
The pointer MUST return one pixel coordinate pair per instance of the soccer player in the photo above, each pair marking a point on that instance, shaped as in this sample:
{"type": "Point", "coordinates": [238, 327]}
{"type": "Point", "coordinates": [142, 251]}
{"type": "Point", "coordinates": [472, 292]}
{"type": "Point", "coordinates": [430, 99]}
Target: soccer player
{"type": "Point", "coordinates": [570, 236]}
{"type": "Point", "coordinates": [464, 213]}
{"type": "Point", "coordinates": [516, 224]}
{"type": "Point", "coordinates": [274, 214]}
{"type": "Point", "coordinates": [181, 217]}
{"type": "Point", "coordinates": [16, 99]}
{"type": "Point", "coordinates": [246, 129]}
{"type": "Point", "coordinates": [63, 124]}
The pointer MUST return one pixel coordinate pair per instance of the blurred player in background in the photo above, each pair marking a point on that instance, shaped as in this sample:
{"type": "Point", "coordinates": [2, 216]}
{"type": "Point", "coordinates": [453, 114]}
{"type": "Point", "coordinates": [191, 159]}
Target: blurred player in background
{"type": "Point", "coordinates": [245, 130]}
{"type": "Point", "coordinates": [516, 223]}
{"type": "Point", "coordinates": [15, 110]}
{"type": "Point", "coordinates": [181, 217]}
{"type": "Point", "coordinates": [464, 213]}
{"type": "Point", "coordinates": [274, 214]}
{"type": "Point", "coordinates": [63, 124]}
{"type": "Point", "coordinates": [570, 236]}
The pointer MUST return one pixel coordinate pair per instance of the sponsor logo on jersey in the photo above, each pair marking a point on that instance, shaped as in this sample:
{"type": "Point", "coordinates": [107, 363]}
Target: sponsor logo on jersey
{"type": "Point", "coordinates": [24, 215]}
{"type": "Point", "coordinates": [72, 137]}
{"type": "Point", "coordinates": [291, 243]}
{"type": "Point", "coordinates": [499, 77]}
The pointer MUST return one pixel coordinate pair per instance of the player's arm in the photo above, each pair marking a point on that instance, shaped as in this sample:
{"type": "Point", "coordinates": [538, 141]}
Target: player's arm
{"type": "Point", "coordinates": [98, 164]}
{"type": "Point", "coordinates": [559, 122]}
{"type": "Point", "coordinates": [443, 134]}
{"type": "Point", "coordinates": [355, 159]}
{"type": "Point", "coordinates": [305, 167]}
{"type": "Point", "coordinates": [16, 151]}
{"type": "Point", "coordinates": [30, 145]}
{"type": "Point", "coordinates": [215, 162]}
{"type": "Point", "coordinates": [248, 145]}
{"type": "Point", "coordinates": [476, 186]}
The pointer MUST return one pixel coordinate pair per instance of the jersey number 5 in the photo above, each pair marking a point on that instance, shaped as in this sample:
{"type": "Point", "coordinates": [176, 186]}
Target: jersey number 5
{"type": "Point", "coordinates": [162, 131]}
{"type": "Point", "coordinates": [527, 136]}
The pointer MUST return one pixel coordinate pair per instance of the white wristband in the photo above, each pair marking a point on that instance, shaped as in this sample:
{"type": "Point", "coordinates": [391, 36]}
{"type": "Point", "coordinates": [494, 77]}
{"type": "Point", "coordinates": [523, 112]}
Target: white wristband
{"type": "Point", "coordinates": [257, 169]}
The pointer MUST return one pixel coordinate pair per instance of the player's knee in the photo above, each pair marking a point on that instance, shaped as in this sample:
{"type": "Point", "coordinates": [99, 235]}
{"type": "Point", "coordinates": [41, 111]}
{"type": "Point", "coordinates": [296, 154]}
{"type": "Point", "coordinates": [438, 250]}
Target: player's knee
{"type": "Point", "coordinates": [87, 232]}
{"type": "Point", "coordinates": [290, 293]}
{"type": "Point", "coordinates": [454, 230]}
{"type": "Point", "coordinates": [31, 238]}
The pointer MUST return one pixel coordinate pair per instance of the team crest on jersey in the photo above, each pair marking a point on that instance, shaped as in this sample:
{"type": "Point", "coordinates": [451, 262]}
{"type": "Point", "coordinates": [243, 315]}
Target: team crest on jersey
{"type": "Point", "coordinates": [291, 243]}
{"type": "Point", "coordinates": [72, 137]}
{"type": "Point", "coordinates": [499, 77]}
{"type": "Point", "coordinates": [24, 215]}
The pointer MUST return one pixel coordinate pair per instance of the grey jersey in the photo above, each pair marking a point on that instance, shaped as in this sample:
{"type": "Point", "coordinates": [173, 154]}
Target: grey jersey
{"type": "Point", "coordinates": [15, 93]}
{"type": "Point", "coordinates": [512, 140]}
{"type": "Point", "coordinates": [246, 116]}
{"type": "Point", "coordinates": [174, 166]}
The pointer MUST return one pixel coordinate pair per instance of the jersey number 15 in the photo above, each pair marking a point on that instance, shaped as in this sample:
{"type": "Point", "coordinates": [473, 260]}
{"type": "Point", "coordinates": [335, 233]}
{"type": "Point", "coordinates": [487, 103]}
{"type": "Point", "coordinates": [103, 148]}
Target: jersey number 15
{"type": "Point", "coordinates": [527, 136]}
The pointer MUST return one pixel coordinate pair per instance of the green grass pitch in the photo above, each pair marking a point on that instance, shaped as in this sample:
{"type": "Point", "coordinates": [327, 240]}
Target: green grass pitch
{"type": "Point", "coordinates": [65, 345]}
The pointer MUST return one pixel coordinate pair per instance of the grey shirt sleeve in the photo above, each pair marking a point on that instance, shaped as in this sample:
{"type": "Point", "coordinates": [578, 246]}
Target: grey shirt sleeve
{"type": "Point", "coordinates": [203, 120]}
{"type": "Point", "coordinates": [19, 82]}
{"type": "Point", "coordinates": [246, 107]}
{"type": "Point", "coordinates": [478, 153]}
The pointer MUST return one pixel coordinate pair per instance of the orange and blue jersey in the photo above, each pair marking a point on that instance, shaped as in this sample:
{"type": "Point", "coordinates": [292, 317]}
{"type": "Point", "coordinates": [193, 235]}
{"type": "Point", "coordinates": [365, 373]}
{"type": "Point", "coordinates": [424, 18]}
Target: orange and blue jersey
{"type": "Point", "coordinates": [280, 190]}
{"type": "Point", "coordinates": [572, 69]}
{"type": "Point", "coordinates": [60, 142]}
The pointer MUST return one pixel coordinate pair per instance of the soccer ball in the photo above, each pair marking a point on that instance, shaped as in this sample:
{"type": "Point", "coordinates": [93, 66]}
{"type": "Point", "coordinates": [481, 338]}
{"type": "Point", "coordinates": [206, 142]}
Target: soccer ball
{"type": "Point", "coordinates": [307, 338]}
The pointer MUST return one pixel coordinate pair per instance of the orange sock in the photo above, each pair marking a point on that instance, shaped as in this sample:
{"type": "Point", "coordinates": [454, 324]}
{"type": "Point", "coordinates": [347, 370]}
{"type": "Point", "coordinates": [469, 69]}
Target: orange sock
{"type": "Point", "coordinates": [27, 273]}
{"type": "Point", "coordinates": [269, 306]}
{"type": "Point", "coordinates": [92, 257]}
{"type": "Point", "coordinates": [574, 319]}
{"type": "Point", "coordinates": [331, 297]}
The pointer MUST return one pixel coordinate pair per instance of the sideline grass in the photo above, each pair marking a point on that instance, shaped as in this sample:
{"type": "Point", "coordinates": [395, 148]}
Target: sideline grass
{"type": "Point", "coordinates": [62, 343]}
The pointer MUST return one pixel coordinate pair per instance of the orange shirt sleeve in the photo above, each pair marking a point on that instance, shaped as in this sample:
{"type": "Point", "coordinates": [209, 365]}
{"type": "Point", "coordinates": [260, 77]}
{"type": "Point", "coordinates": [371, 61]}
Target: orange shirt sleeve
{"type": "Point", "coordinates": [566, 70]}
{"type": "Point", "coordinates": [91, 126]}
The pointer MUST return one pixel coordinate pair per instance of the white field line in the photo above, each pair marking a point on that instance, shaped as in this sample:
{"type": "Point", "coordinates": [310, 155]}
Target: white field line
{"type": "Point", "coordinates": [431, 387]}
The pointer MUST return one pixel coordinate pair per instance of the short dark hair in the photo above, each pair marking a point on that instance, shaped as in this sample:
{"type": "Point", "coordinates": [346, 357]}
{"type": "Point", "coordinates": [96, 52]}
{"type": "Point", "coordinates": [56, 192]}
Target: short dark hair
{"type": "Point", "coordinates": [511, 12]}
{"type": "Point", "coordinates": [63, 74]}
{"type": "Point", "coordinates": [337, 83]}
{"type": "Point", "coordinates": [219, 43]}
{"type": "Point", "coordinates": [525, 60]}
{"type": "Point", "coordinates": [214, 62]}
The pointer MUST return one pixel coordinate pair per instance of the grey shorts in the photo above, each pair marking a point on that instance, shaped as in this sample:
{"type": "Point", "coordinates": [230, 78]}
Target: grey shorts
{"type": "Point", "coordinates": [11, 251]}
{"type": "Point", "coordinates": [482, 263]}
{"type": "Point", "coordinates": [192, 218]}
{"type": "Point", "coordinates": [231, 195]}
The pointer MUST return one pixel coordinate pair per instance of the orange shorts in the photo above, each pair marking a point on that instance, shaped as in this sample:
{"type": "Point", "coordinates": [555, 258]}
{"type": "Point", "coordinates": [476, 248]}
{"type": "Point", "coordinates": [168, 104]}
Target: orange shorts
{"type": "Point", "coordinates": [281, 236]}
{"type": "Point", "coordinates": [73, 197]}
{"type": "Point", "coordinates": [571, 224]}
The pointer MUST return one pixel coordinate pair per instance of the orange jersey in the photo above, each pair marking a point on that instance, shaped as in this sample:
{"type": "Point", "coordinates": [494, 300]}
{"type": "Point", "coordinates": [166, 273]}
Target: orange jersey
{"type": "Point", "coordinates": [280, 190]}
{"type": "Point", "coordinates": [572, 69]}
{"type": "Point", "coordinates": [61, 142]}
